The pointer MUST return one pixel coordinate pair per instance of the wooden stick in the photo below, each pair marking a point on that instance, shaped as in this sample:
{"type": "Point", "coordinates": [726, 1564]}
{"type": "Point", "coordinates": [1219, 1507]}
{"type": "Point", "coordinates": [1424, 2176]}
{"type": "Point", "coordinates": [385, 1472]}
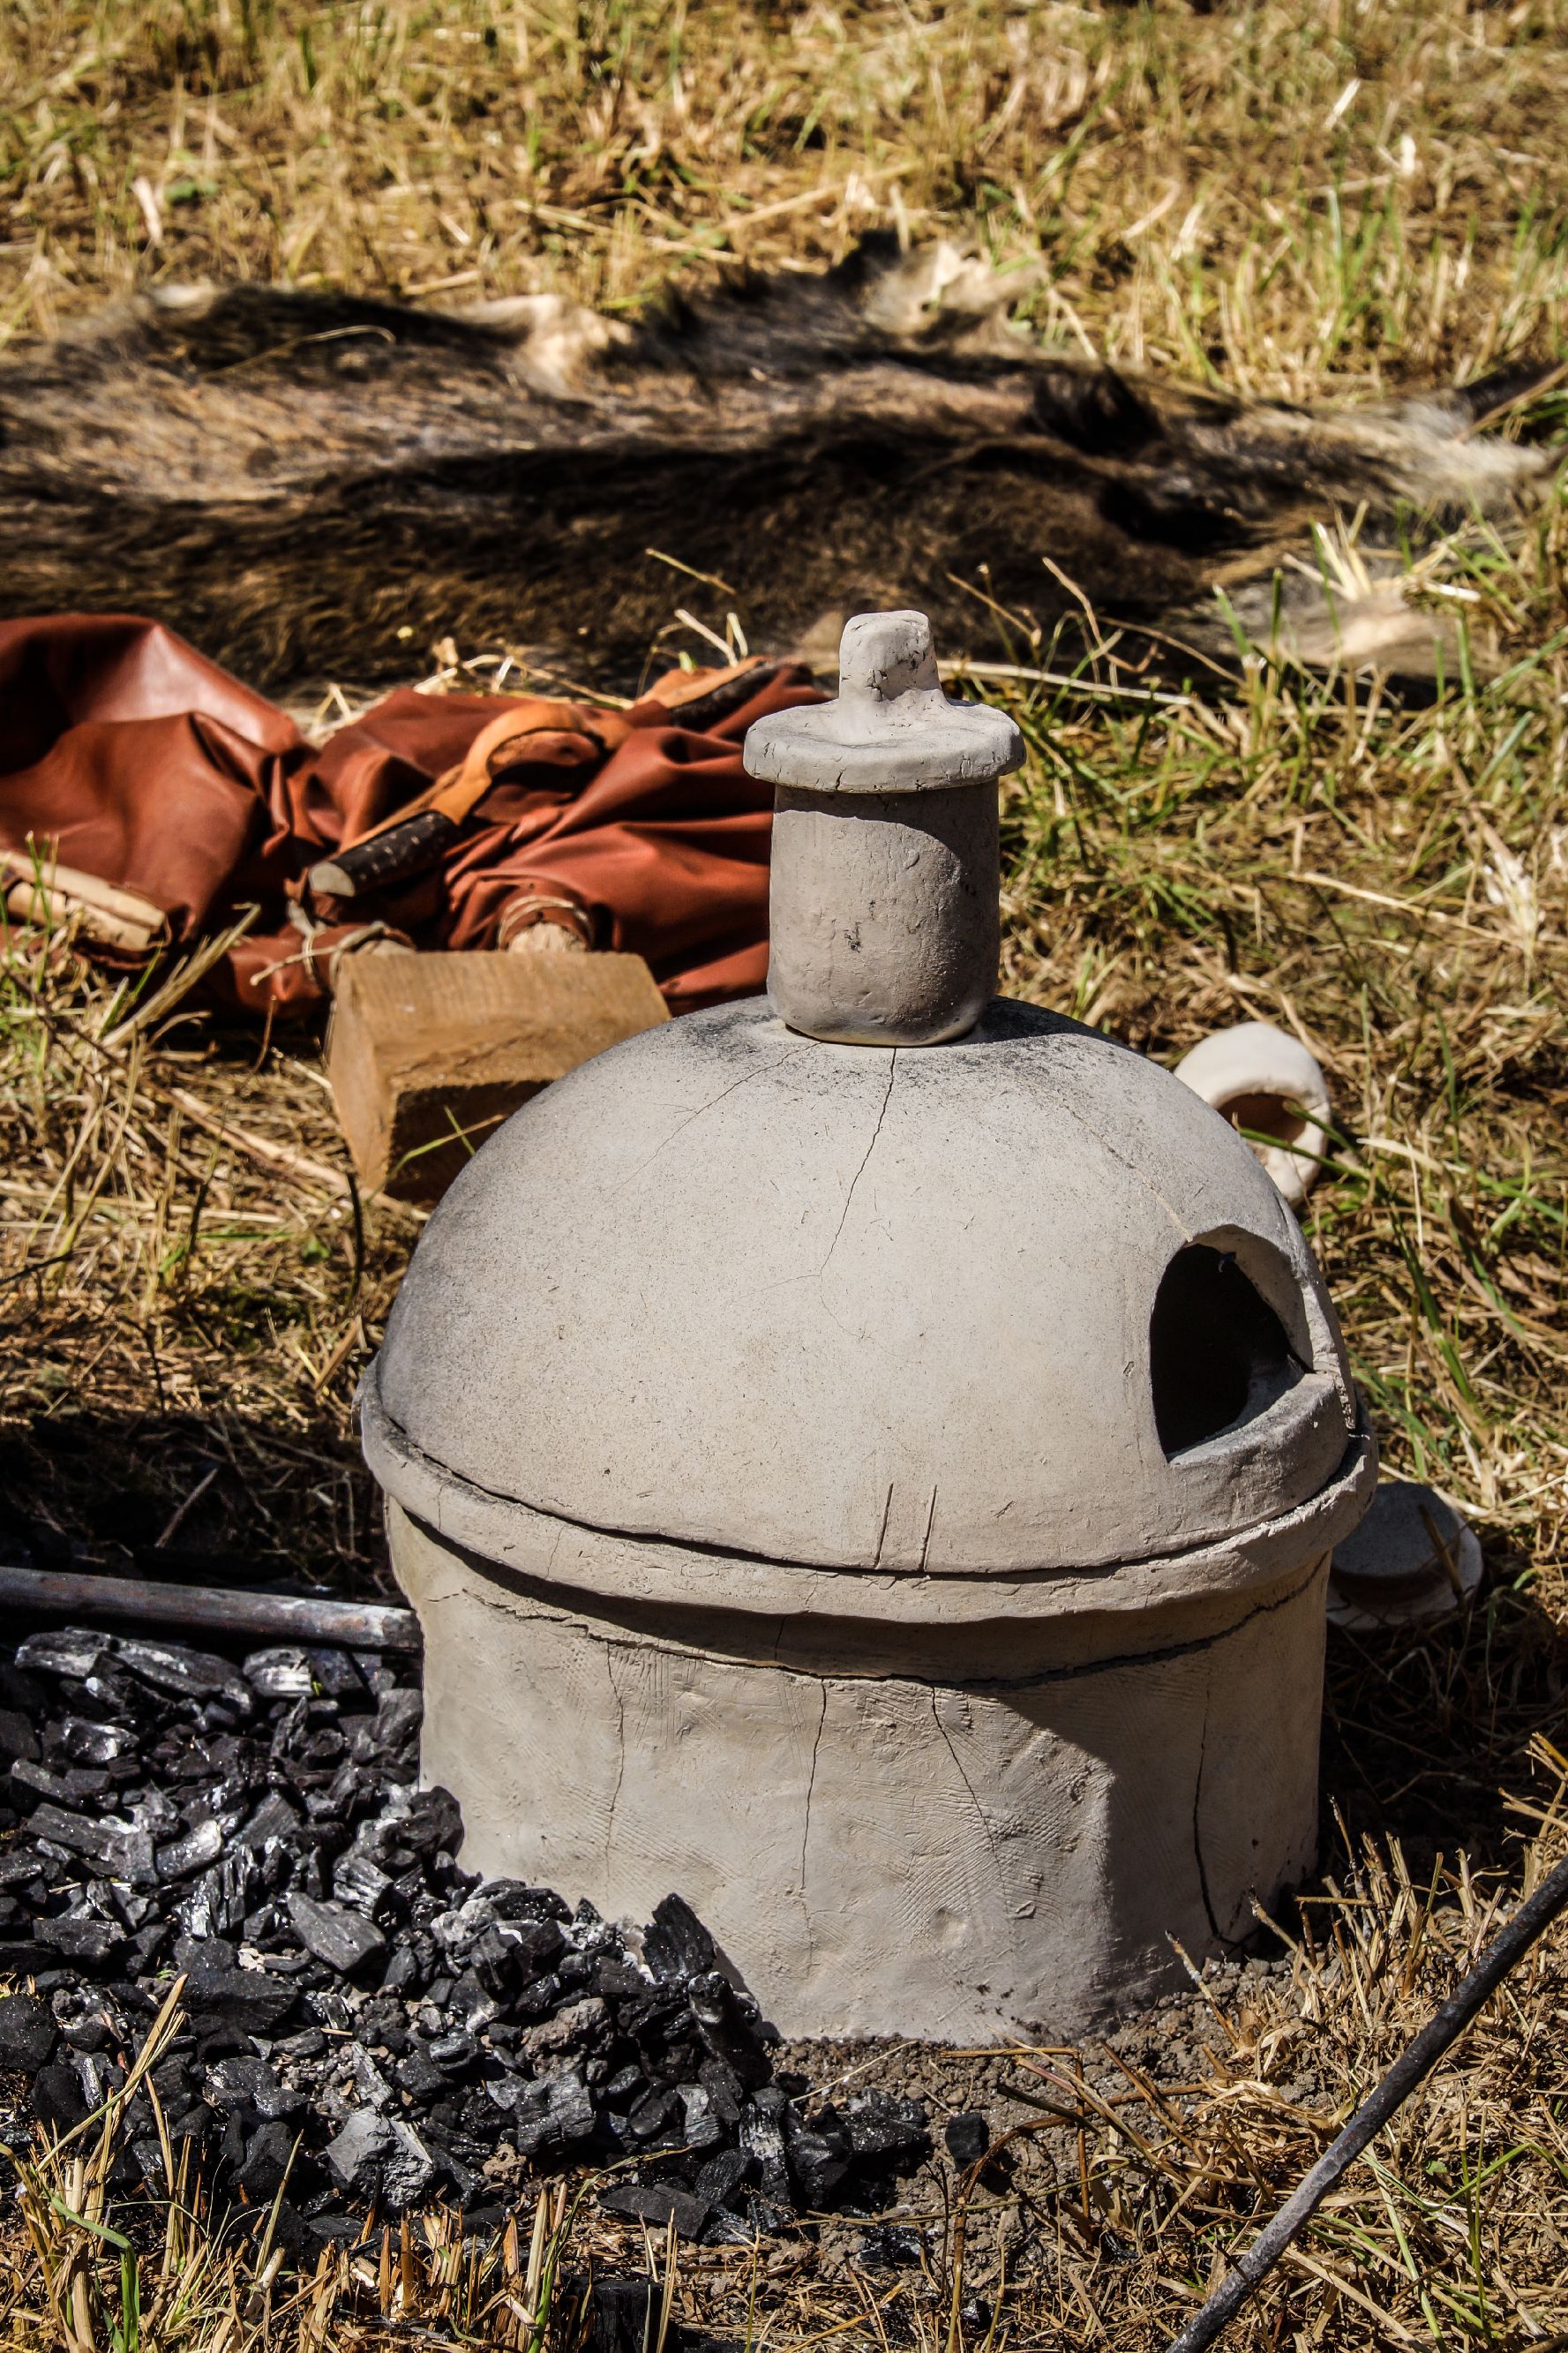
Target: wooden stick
{"type": "Point", "coordinates": [72, 883]}
{"type": "Point", "coordinates": [37, 902]}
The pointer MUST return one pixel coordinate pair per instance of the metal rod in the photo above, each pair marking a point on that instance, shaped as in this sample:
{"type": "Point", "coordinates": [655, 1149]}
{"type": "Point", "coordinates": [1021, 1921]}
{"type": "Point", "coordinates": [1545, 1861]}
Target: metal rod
{"type": "Point", "coordinates": [1444, 2028]}
{"type": "Point", "coordinates": [358, 1625]}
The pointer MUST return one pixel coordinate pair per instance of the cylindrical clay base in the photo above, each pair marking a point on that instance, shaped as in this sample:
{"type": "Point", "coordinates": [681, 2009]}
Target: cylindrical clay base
{"type": "Point", "coordinates": [914, 963]}
{"type": "Point", "coordinates": [877, 1849]}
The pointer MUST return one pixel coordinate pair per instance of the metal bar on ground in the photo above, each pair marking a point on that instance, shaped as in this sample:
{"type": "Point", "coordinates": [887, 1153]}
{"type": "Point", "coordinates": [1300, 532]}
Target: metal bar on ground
{"type": "Point", "coordinates": [1447, 2023]}
{"type": "Point", "coordinates": [284, 1617]}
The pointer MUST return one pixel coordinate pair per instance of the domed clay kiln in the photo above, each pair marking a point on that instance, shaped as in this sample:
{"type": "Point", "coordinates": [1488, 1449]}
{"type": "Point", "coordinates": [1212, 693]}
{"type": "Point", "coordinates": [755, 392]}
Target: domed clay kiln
{"type": "Point", "coordinates": [869, 1458]}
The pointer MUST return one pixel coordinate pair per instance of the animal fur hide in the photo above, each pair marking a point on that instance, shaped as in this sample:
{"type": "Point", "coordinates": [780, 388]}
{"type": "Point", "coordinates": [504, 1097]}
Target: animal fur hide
{"type": "Point", "coordinates": [304, 483]}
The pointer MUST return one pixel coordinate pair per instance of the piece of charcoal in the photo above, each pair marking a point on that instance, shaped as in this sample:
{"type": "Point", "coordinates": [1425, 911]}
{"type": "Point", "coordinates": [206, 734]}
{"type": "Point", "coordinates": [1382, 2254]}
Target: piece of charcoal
{"type": "Point", "coordinates": [363, 1885]}
{"type": "Point", "coordinates": [283, 1672]}
{"type": "Point", "coordinates": [419, 2077]}
{"type": "Point", "coordinates": [58, 2101]}
{"type": "Point", "coordinates": [119, 1698]}
{"type": "Point", "coordinates": [532, 2002]}
{"type": "Point", "coordinates": [335, 1673]}
{"type": "Point", "coordinates": [623, 2316]}
{"type": "Point", "coordinates": [411, 1967]}
{"type": "Point", "coordinates": [377, 2157]}
{"type": "Point", "coordinates": [725, 2090]}
{"type": "Point", "coordinates": [226, 1802]}
{"type": "Point", "coordinates": [80, 1936]}
{"type": "Point", "coordinates": [350, 1791]}
{"type": "Point", "coordinates": [264, 2167]}
{"type": "Point", "coordinates": [73, 1789]}
{"type": "Point", "coordinates": [512, 1954]}
{"type": "Point", "coordinates": [133, 1909]}
{"type": "Point", "coordinates": [556, 2114]}
{"type": "Point", "coordinates": [731, 2229]}
{"type": "Point", "coordinates": [17, 1737]}
{"type": "Point", "coordinates": [653, 2116]}
{"type": "Point", "coordinates": [193, 1851]}
{"type": "Point", "coordinates": [84, 1742]}
{"type": "Point", "coordinates": [157, 1815]}
{"type": "Point", "coordinates": [90, 2032]}
{"type": "Point", "coordinates": [99, 2076]}
{"type": "Point", "coordinates": [340, 1939]}
{"type": "Point", "coordinates": [189, 1674]}
{"type": "Point", "coordinates": [216, 1903]}
{"type": "Point", "coordinates": [699, 2127]}
{"type": "Point", "coordinates": [454, 2052]}
{"type": "Point", "coordinates": [882, 2127]}
{"type": "Point", "coordinates": [761, 2135]}
{"type": "Point", "coordinates": [374, 2091]}
{"type": "Point", "coordinates": [892, 2246]}
{"type": "Point", "coordinates": [26, 2032]}
{"type": "Point", "coordinates": [725, 2173]}
{"type": "Point", "coordinates": [252, 2087]}
{"type": "Point", "coordinates": [392, 1730]}
{"type": "Point", "coordinates": [727, 2024]}
{"type": "Point", "coordinates": [231, 2145]}
{"type": "Point", "coordinates": [658, 2204]}
{"type": "Point", "coordinates": [409, 2173]}
{"type": "Point", "coordinates": [329, 2010]}
{"type": "Point", "coordinates": [274, 1818]}
{"type": "Point", "coordinates": [626, 2084]}
{"type": "Point", "coordinates": [381, 2017]}
{"type": "Point", "coordinates": [473, 2005]}
{"type": "Point", "coordinates": [818, 2162]}
{"type": "Point", "coordinates": [106, 1845]}
{"type": "Point", "coordinates": [197, 1953]}
{"type": "Point", "coordinates": [358, 2151]}
{"type": "Point", "coordinates": [433, 1824]}
{"type": "Point", "coordinates": [243, 1999]}
{"type": "Point", "coordinates": [309, 2043]}
{"type": "Point", "coordinates": [617, 1977]}
{"type": "Point", "coordinates": [144, 1949]}
{"type": "Point", "coordinates": [65, 1650]}
{"type": "Point", "coordinates": [676, 1946]}
{"type": "Point", "coordinates": [23, 1692]}
{"type": "Point", "coordinates": [968, 2137]}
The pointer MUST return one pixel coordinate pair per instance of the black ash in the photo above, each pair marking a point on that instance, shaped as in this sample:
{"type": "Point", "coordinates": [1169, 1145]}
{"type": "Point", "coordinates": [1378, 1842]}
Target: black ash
{"type": "Point", "coordinates": [365, 2024]}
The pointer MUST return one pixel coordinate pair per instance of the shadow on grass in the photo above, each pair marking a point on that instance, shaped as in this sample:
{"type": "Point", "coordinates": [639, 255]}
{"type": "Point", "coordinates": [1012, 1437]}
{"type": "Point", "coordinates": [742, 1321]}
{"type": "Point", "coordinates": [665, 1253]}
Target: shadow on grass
{"type": "Point", "coordinates": [208, 1498]}
{"type": "Point", "coordinates": [1442, 1736]}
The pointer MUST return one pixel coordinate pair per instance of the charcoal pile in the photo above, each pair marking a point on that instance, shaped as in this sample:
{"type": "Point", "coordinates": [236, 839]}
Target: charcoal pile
{"type": "Point", "coordinates": [365, 2024]}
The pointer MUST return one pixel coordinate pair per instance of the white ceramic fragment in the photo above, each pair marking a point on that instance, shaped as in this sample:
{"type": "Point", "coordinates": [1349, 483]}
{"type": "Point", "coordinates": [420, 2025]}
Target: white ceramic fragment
{"type": "Point", "coordinates": [1263, 1079]}
{"type": "Point", "coordinates": [1413, 1557]}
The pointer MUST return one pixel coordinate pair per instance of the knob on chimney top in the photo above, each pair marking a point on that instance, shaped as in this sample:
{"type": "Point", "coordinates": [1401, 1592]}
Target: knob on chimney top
{"type": "Point", "coordinates": [885, 865]}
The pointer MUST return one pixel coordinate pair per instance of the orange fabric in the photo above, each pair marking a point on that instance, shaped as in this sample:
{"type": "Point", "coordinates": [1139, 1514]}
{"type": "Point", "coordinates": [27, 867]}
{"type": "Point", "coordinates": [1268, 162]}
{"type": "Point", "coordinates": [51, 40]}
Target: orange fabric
{"type": "Point", "coordinates": [125, 752]}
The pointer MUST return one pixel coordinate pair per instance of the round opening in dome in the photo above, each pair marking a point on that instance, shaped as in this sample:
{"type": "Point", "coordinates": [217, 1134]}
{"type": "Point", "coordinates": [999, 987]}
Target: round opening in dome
{"type": "Point", "coordinates": [1218, 1353]}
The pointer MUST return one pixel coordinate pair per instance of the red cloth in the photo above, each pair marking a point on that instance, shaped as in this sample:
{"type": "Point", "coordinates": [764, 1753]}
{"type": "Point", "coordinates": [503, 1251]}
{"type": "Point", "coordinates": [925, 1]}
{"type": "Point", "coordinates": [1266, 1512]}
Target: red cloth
{"type": "Point", "coordinates": [124, 752]}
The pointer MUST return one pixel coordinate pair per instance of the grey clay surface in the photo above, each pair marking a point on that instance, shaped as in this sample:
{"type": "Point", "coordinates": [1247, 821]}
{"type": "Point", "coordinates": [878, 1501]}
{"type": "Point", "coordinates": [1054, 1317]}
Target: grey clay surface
{"type": "Point", "coordinates": [770, 1433]}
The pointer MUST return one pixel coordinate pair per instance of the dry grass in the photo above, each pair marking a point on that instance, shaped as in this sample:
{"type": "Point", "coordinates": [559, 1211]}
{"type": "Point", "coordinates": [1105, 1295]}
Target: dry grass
{"type": "Point", "coordinates": [1301, 202]}
{"type": "Point", "coordinates": [1287, 197]}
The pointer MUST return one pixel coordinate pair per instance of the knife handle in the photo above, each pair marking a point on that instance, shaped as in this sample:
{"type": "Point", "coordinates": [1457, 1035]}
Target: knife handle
{"type": "Point", "coordinates": [387, 857]}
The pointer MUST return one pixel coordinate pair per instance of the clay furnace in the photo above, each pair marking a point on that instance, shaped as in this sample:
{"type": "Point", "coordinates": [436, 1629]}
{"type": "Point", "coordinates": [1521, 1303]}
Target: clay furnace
{"type": "Point", "coordinates": [869, 1458]}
